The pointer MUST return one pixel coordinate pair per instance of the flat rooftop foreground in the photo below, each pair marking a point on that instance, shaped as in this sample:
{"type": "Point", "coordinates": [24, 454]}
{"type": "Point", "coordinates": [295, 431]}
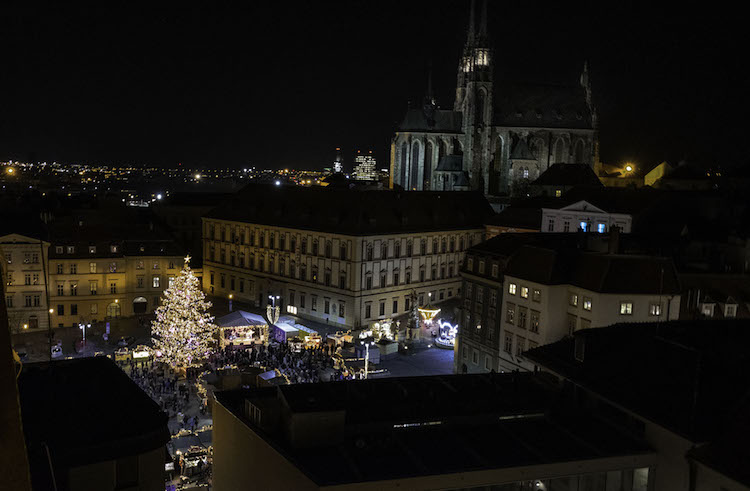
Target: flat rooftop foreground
{"type": "Point", "coordinates": [422, 427]}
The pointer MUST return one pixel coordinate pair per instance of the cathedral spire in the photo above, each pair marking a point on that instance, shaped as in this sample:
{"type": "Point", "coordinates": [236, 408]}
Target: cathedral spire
{"type": "Point", "coordinates": [483, 22]}
{"type": "Point", "coordinates": [472, 23]}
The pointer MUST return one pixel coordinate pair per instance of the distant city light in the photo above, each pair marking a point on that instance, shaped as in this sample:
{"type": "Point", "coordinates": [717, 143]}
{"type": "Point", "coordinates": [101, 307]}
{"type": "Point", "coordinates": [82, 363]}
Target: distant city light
{"type": "Point", "coordinates": [197, 176]}
{"type": "Point", "coordinates": [278, 183]}
{"type": "Point", "coordinates": [158, 196]}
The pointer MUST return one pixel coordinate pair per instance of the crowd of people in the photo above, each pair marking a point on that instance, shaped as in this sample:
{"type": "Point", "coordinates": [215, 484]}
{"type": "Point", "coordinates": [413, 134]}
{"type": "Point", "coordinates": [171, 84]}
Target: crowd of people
{"type": "Point", "coordinates": [297, 365]}
{"type": "Point", "coordinates": [164, 386]}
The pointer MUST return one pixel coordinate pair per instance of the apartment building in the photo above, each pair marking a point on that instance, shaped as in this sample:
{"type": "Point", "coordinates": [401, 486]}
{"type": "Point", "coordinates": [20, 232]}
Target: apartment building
{"type": "Point", "coordinates": [111, 268]}
{"type": "Point", "coordinates": [547, 290]}
{"type": "Point", "coordinates": [342, 256]}
{"type": "Point", "coordinates": [23, 261]}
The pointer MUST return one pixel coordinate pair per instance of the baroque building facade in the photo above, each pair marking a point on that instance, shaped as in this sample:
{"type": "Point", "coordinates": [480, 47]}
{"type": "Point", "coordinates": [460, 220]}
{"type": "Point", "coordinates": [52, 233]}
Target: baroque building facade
{"type": "Point", "coordinates": [340, 256]}
{"type": "Point", "coordinates": [498, 137]}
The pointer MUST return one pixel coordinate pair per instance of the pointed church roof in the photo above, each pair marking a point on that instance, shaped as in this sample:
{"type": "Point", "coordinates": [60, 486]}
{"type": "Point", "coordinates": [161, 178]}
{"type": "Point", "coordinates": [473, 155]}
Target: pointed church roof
{"type": "Point", "coordinates": [443, 121]}
{"type": "Point", "coordinates": [521, 151]}
{"type": "Point", "coordinates": [546, 106]}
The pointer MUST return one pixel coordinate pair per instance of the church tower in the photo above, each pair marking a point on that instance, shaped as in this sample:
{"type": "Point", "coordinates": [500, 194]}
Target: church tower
{"type": "Point", "coordinates": [474, 99]}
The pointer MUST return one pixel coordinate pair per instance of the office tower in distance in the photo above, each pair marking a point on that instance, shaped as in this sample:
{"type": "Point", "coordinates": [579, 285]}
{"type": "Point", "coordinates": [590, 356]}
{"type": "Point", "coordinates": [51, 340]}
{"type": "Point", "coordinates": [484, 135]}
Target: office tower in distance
{"type": "Point", "coordinates": [365, 166]}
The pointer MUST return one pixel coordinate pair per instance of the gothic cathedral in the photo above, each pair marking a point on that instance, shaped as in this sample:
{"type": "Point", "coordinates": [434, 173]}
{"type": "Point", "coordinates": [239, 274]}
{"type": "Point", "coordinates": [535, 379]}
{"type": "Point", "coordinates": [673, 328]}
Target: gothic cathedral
{"type": "Point", "coordinates": [497, 137]}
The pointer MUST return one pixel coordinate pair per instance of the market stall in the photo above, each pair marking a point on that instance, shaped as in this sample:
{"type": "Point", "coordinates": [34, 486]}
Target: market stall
{"type": "Point", "coordinates": [242, 329]}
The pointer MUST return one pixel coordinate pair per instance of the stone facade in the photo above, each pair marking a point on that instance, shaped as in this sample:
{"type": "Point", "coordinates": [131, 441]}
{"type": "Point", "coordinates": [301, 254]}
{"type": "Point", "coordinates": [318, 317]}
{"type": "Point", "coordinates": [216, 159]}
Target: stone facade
{"type": "Point", "coordinates": [343, 280]}
{"type": "Point", "coordinates": [23, 260]}
{"type": "Point", "coordinates": [498, 137]}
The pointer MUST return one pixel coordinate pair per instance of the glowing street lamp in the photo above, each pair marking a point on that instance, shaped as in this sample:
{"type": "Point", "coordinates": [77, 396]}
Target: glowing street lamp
{"type": "Point", "coordinates": [230, 301]}
{"type": "Point", "coordinates": [367, 345]}
{"type": "Point", "coordinates": [272, 311]}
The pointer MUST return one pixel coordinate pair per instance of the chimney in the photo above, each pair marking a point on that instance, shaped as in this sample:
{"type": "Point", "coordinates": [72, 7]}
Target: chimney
{"type": "Point", "coordinates": [614, 239]}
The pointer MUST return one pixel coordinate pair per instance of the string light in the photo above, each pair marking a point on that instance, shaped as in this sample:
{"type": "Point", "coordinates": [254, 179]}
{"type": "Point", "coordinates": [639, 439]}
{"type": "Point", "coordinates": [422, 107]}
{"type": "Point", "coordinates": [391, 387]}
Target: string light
{"type": "Point", "coordinates": [183, 329]}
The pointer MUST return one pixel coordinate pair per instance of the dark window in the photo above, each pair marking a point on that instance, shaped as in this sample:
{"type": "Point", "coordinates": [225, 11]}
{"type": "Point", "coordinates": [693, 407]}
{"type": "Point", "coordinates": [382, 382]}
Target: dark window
{"type": "Point", "coordinates": [395, 306]}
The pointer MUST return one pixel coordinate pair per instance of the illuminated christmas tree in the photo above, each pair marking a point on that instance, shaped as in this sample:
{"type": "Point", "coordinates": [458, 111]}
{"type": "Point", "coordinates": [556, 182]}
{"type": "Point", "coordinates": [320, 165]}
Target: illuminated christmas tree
{"type": "Point", "coordinates": [183, 329]}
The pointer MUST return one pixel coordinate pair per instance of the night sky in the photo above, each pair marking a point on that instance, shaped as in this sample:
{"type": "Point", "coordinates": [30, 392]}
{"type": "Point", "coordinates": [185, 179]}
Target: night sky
{"type": "Point", "coordinates": [281, 84]}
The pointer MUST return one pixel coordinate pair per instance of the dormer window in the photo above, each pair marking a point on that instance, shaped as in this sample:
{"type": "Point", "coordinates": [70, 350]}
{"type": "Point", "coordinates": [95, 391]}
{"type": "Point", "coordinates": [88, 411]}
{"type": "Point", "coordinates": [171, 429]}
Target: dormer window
{"type": "Point", "coordinates": [707, 309]}
{"type": "Point", "coordinates": [113, 248]}
{"type": "Point", "coordinates": [59, 249]}
{"type": "Point", "coordinates": [92, 249]}
{"type": "Point", "coordinates": [71, 249]}
{"type": "Point", "coordinates": [539, 115]}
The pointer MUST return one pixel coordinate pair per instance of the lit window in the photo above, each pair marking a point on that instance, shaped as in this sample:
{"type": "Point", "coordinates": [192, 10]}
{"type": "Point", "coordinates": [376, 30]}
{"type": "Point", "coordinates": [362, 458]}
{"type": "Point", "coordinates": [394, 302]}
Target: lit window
{"type": "Point", "coordinates": [536, 295]}
{"type": "Point", "coordinates": [586, 303]}
{"type": "Point", "coordinates": [92, 249]}
{"type": "Point", "coordinates": [155, 281]}
{"type": "Point", "coordinates": [573, 299]}
{"type": "Point", "coordinates": [512, 288]}
{"type": "Point", "coordinates": [626, 308]}
{"type": "Point", "coordinates": [584, 226]}
{"type": "Point", "coordinates": [525, 292]}
{"type": "Point", "coordinates": [558, 193]}
{"type": "Point", "coordinates": [601, 228]}
{"type": "Point", "coordinates": [654, 309]}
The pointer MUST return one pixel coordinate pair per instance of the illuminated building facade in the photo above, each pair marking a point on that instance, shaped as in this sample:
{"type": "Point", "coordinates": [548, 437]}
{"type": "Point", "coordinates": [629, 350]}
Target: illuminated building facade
{"type": "Point", "coordinates": [23, 274]}
{"type": "Point", "coordinates": [528, 290]}
{"type": "Point", "coordinates": [338, 163]}
{"type": "Point", "coordinates": [341, 256]}
{"type": "Point", "coordinates": [497, 138]}
{"type": "Point", "coordinates": [102, 270]}
{"type": "Point", "coordinates": [364, 169]}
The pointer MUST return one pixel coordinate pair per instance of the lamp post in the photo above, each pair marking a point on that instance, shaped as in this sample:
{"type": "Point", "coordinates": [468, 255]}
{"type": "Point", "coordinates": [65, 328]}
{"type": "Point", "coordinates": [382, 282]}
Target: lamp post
{"type": "Point", "coordinates": [230, 301]}
{"type": "Point", "coordinates": [272, 311]}
{"type": "Point", "coordinates": [367, 345]}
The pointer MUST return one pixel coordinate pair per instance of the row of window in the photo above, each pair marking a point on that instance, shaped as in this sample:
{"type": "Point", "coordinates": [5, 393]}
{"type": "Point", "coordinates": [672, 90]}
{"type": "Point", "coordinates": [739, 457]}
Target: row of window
{"type": "Point", "coordinates": [28, 301]}
{"type": "Point", "coordinates": [510, 342]}
{"type": "Point", "coordinates": [113, 309]}
{"type": "Point", "coordinates": [329, 308]}
{"type": "Point", "coordinates": [301, 273]}
{"type": "Point", "coordinates": [532, 317]}
{"type": "Point", "coordinates": [494, 270]}
{"type": "Point", "coordinates": [114, 249]}
{"type": "Point", "coordinates": [536, 294]}
{"type": "Point", "coordinates": [28, 279]}
{"type": "Point", "coordinates": [583, 226]}
{"type": "Point", "coordinates": [28, 257]}
{"type": "Point", "coordinates": [73, 267]}
{"type": "Point", "coordinates": [94, 285]}
{"type": "Point", "coordinates": [259, 238]}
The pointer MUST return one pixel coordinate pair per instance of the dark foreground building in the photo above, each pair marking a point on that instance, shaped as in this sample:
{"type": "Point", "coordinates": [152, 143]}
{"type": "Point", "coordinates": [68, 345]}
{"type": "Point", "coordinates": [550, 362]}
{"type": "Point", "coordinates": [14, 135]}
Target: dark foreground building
{"type": "Point", "coordinates": [89, 427]}
{"type": "Point", "coordinates": [683, 387]}
{"type": "Point", "coordinates": [490, 431]}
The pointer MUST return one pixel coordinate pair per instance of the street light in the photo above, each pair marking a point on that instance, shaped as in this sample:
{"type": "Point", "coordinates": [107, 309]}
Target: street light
{"type": "Point", "coordinates": [367, 345]}
{"type": "Point", "coordinates": [230, 301]}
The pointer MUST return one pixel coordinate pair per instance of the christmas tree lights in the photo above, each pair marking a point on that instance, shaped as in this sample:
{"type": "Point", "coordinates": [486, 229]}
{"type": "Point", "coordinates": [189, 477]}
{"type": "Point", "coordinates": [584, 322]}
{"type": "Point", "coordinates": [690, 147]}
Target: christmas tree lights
{"type": "Point", "coordinates": [183, 329]}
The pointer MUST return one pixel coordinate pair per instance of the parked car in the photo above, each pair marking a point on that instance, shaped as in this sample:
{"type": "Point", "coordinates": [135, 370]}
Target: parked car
{"type": "Point", "coordinates": [126, 341]}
